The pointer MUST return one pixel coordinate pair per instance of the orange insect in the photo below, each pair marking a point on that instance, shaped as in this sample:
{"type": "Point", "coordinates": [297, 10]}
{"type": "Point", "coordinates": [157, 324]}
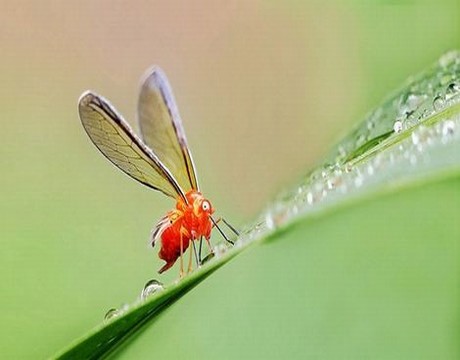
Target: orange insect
{"type": "Point", "coordinates": [159, 159]}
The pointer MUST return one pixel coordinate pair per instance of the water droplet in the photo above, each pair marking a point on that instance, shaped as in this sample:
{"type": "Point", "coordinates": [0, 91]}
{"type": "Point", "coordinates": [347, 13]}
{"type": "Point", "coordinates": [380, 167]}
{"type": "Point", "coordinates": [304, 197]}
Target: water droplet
{"type": "Point", "coordinates": [310, 198]}
{"type": "Point", "coordinates": [335, 178]}
{"type": "Point", "coordinates": [114, 313]}
{"type": "Point", "coordinates": [301, 196]}
{"type": "Point", "coordinates": [276, 216]}
{"type": "Point", "coordinates": [269, 221]}
{"type": "Point", "coordinates": [326, 171]}
{"type": "Point", "coordinates": [452, 89]}
{"type": "Point", "coordinates": [207, 258]}
{"type": "Point", "coordinates": [153, 286]}
{"type": "Point", "coordinates": [438, 103]}
{"type": "Point", "coordinates": [398, 126]}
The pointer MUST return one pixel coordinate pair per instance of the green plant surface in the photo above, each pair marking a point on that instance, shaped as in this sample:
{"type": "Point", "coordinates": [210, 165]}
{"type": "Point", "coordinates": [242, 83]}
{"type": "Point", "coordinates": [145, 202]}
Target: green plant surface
{"type": "Point", "coordinates": [378, 280]}
{"type": "Point", "coordinates": [358, 260]}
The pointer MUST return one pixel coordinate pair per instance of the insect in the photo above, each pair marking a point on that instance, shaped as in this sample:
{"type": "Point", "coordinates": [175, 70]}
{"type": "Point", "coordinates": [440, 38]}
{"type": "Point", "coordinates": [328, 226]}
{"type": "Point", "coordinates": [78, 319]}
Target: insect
{"type": "Point", "coordinates": [160, 159]}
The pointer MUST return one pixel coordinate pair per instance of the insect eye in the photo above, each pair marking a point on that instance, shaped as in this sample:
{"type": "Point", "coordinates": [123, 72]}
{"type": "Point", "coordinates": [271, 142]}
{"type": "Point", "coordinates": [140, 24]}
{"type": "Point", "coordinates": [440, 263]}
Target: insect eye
{"type": "Point", "coordinates": [205, 206]}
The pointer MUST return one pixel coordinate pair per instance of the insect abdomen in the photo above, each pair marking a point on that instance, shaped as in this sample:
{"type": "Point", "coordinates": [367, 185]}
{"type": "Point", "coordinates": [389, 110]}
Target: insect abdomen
{"type": "Point", "coordinates": [171, 243]}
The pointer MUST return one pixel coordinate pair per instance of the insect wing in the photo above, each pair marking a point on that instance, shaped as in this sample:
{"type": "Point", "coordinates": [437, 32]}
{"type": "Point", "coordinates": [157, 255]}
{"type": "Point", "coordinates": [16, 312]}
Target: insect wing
{"type": "Point", "coordinates": [115, 139]}
{"type": "Point", "coordinates": [161, 128]}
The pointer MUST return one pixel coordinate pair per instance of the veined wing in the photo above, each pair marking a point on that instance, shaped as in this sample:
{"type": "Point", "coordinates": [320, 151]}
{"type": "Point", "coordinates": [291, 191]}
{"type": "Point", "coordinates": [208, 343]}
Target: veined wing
{"type": "Point", "coordinates": [115, 139]}
{"type": "Point", "coordinates": [161, 128]}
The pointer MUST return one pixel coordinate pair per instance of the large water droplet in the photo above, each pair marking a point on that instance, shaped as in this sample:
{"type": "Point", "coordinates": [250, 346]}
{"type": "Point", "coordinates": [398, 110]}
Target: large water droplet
{"type": "Point", "coordinates": [151, 287]}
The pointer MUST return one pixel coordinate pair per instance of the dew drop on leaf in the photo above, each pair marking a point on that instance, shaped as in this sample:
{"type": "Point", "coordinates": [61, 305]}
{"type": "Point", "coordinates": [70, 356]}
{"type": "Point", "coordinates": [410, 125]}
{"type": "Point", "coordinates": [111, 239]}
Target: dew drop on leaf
{"type": "Point", "coordinates": [151, 287]}
{"type": "Point", "coordinates": [397, 127]}
{"type": "Point", "coordinates": [114, 313]}
{"type": "Point", "coordinates": [438, 103]}
{"type": "Point", "coordinates": [452, 89]}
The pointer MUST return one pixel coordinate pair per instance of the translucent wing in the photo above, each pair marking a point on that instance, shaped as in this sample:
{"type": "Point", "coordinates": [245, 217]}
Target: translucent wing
{"type": "Point", "coordinates": [115, 139]}
{"type": "Point", "coordinates": [161, 128]}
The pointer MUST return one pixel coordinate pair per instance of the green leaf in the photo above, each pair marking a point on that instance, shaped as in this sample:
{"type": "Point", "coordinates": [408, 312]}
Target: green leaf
{"type": "Point", "coordinates": [365, 262]}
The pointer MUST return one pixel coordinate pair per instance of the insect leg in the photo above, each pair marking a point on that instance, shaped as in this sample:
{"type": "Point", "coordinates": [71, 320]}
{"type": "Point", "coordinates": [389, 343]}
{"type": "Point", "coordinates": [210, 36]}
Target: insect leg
{"type": "Point", "coordinates": [198, 259]}
{"type": "Point", "coordinates": [209, 246]}
{"type": "Point", "coordinates": [221, 232]}
{"type": "Point", "coordinates": [181, 273]}
{"type": "Point", "coordinates": [231, 227]}
{"type": "Point", "coordinates": [189, 269]}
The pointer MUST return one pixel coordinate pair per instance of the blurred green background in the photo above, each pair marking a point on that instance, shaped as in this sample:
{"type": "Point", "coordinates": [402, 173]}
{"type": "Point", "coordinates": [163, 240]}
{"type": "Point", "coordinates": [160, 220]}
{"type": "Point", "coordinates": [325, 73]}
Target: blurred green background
{"type": "Point", "coordinates": [264, 88]}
